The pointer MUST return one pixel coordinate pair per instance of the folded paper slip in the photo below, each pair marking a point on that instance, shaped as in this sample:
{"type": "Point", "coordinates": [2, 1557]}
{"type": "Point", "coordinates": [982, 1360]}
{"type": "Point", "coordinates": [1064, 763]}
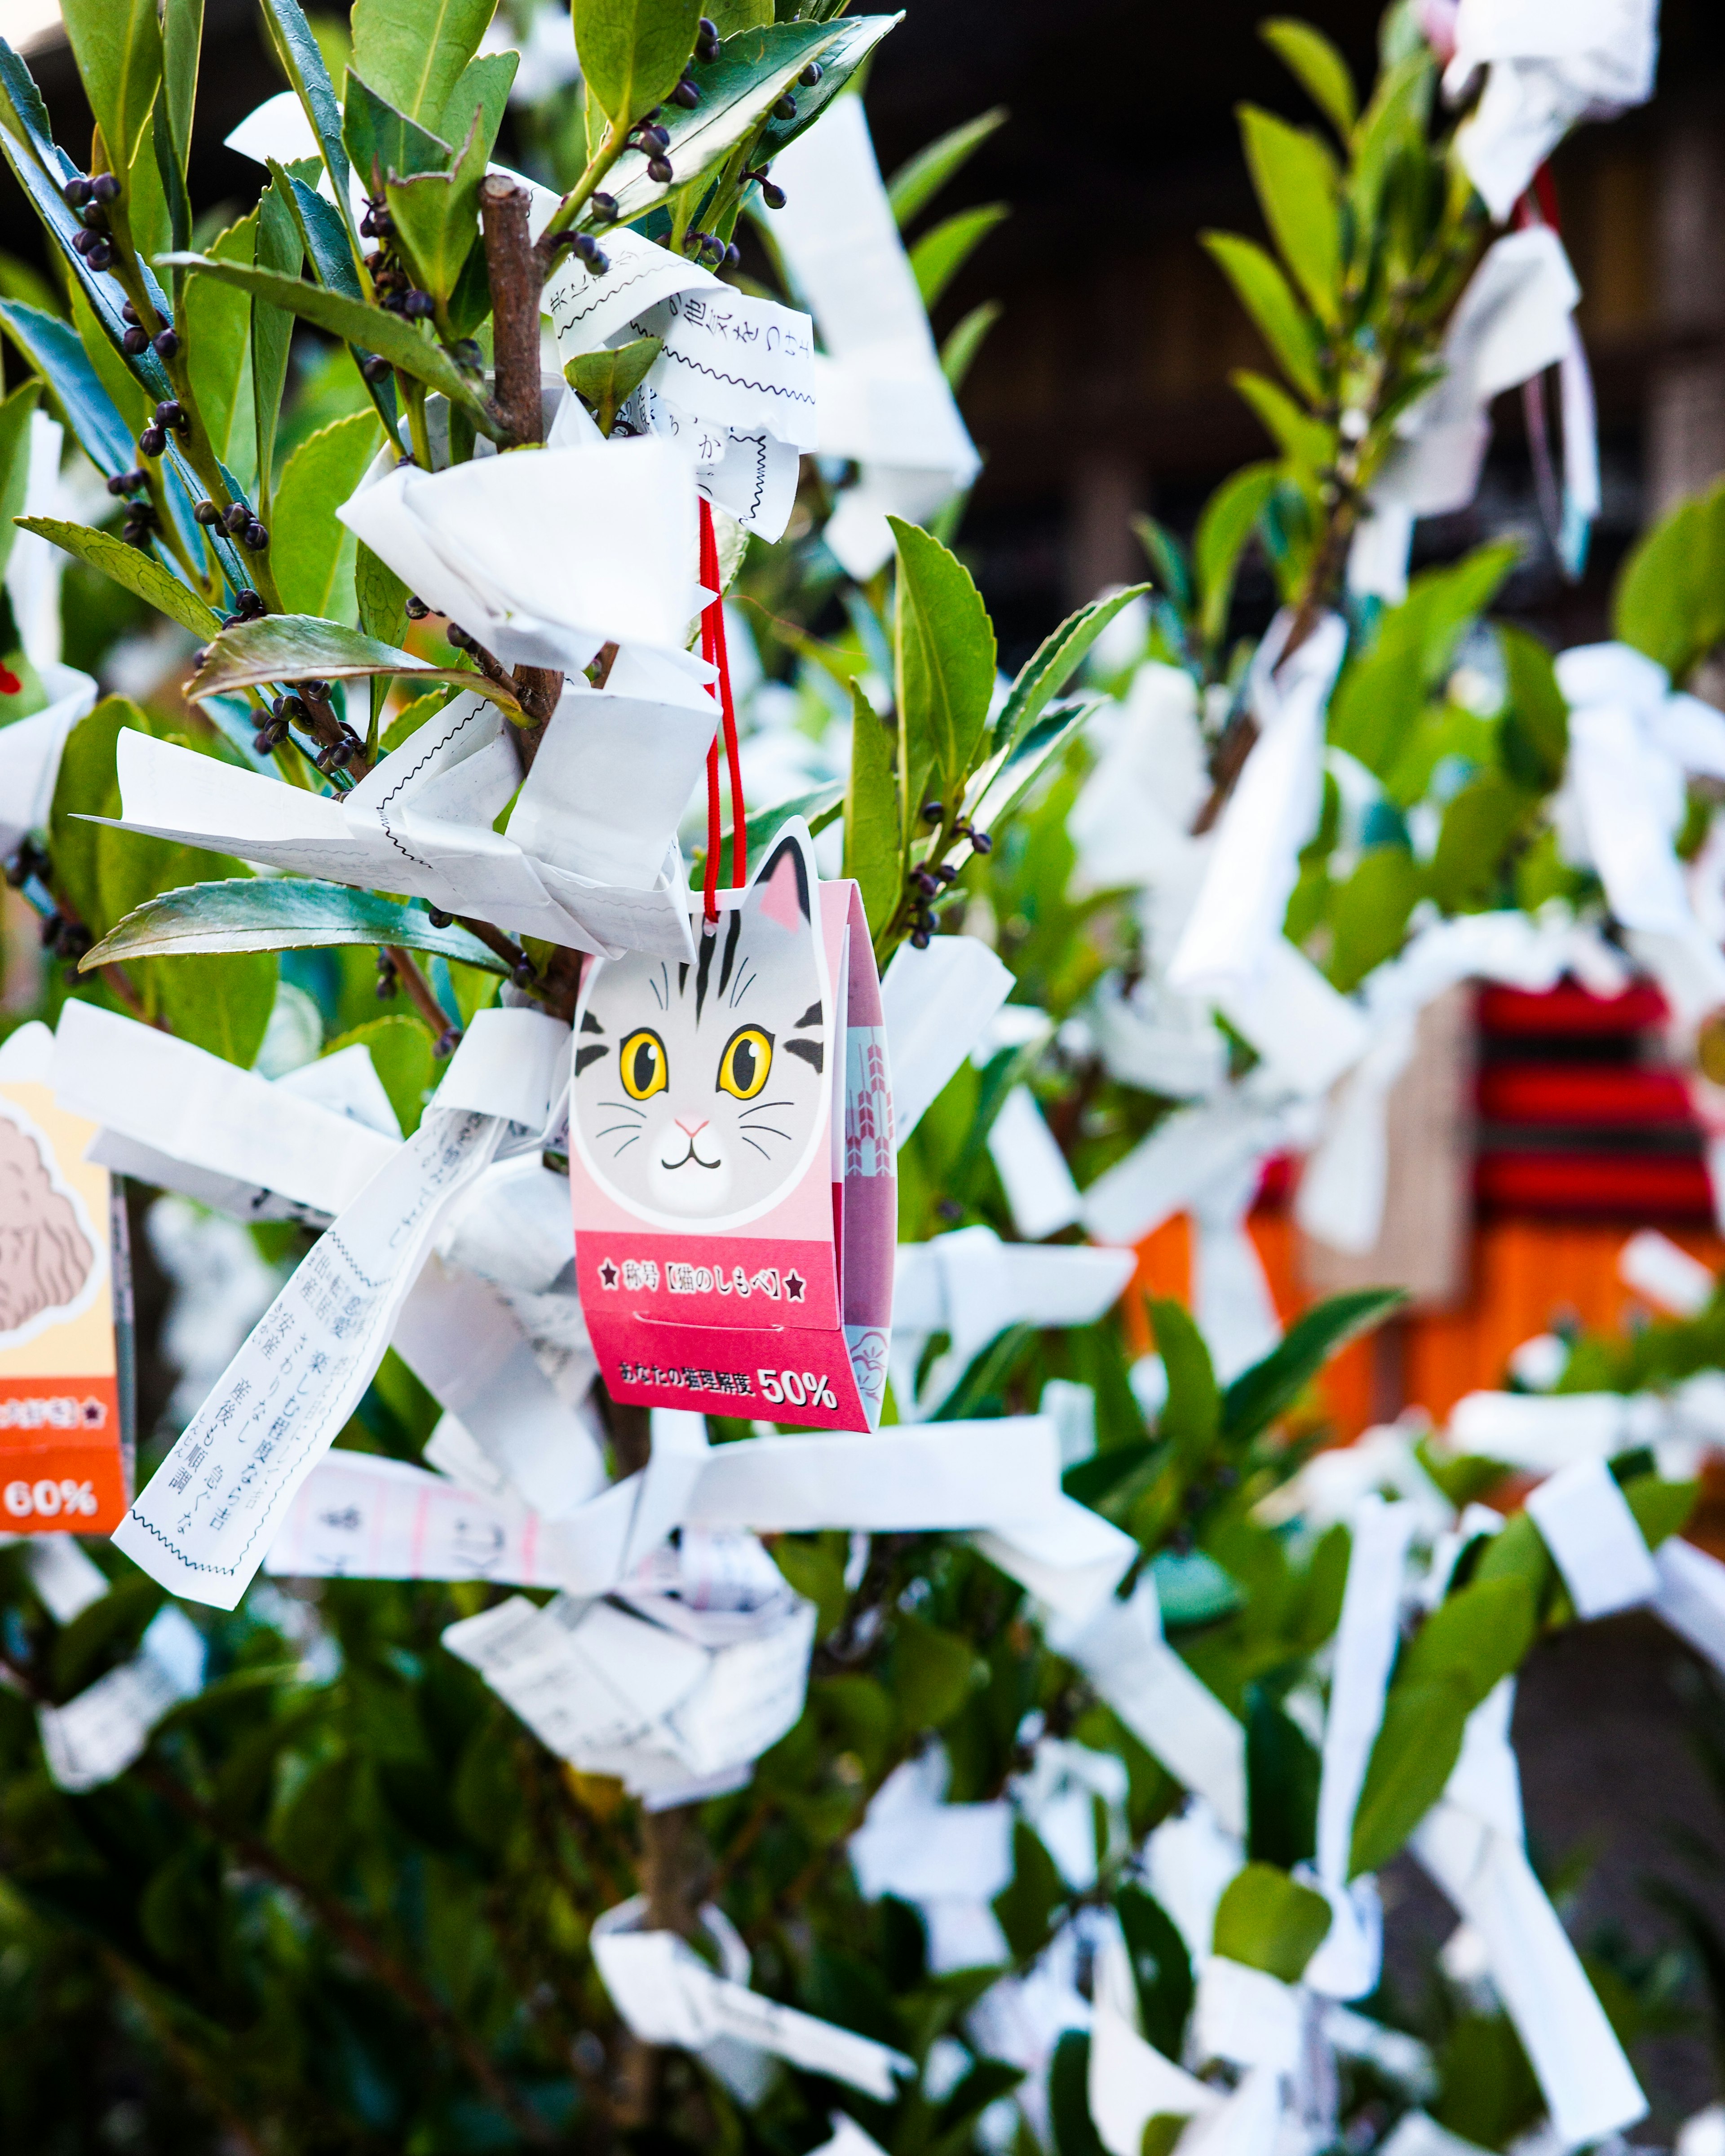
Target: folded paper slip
{"type": "Point", "coordinates": [30, 753]}
{"type": "Point", "coordinates": [65, 1464]}
{"type": "Point", "coordinates": [208, 1516]}
{"type": "Point", "coordinates": [732, 1162]}
{"type": "Point", "coordinates": [420, 823]}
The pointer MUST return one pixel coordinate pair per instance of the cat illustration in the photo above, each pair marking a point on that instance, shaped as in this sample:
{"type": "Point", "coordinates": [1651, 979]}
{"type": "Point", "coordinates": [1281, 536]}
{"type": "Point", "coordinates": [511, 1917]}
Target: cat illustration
{"type": "Point", "coordinates": [700, 1089]}
{"type": "Point", "coordinates": [45, 1256]}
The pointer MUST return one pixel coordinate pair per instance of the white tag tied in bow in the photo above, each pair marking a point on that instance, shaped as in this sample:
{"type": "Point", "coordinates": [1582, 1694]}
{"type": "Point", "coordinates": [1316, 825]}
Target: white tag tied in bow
{"type": "Point", "coordinates": [1512, 322]}
{"type": "Point", "coordinates": [30, 750]}
{"type": "Point", "coordinates": [667, 1994]}
{"type": "Point", "coordinates": [98, 1735]}
{"type": "Point", "coordinates": [206, 1521]}
{"type": "Point", "coordinates": [883, 398]}
{"type": "Point", "coordinates": [950, 1860]}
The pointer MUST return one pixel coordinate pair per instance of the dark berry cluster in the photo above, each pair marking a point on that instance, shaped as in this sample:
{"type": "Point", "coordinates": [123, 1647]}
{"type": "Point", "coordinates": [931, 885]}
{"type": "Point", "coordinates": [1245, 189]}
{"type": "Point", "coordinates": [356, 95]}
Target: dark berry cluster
{"type": "Point", "coordinates": [396, 290]}
{"type": "Point", "coordinates": [587, 248]}
{"type": "Point", "coordinates": [771, 194]}
{"type": "Point", "coordinates": [238, 521]}
{"type": "Point", "coordinates": [91, 199]}
{"type": "Point", "coordinates": [653, 140]}
{"type": "Point", "coordinates": [709, 246]}
{"type": "Point", "coordinates": [248, 606]}
{"type": "Point", "coordinates": [135, 339]}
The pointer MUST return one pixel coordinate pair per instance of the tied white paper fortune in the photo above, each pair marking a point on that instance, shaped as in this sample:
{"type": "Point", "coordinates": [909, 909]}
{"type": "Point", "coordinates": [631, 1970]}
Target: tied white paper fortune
{"type": "Point", "coordinates": [1346, 1965]}
{"type": "Point", "coordinates": [883, 398]}
{"type": "Point", "coordinates": [1167, 1709]}
{"type": "Point", "coordinates": [1130, 2082]}
{"type": "Point", "coordinates": [1512, 322]}
{"type": "Point", "coordinates": [1233, 952]}
{"type": "Point", "coordinates": [1549, 63]}
{"type": "Point", "coordinates": [667, 1994]}
{"type": "Point", "coordinates": [1472, 1842]}
{"type": "Point", "coordinates": [589, 857]}
{"type": "Point", "coordinates": [677, 1695]}
{"type": "Point", "coordinates": [98, 1734]}
{"type": "Point", "coordinates": [937, 1004]}
{"type": "Point", "coordinates": [184, 1120]}
{"type": "Point", "coordinates": [210, 1512]}
{"type": "Point", "coordinates": [1631, 741]}
{"type": "Point", "coordinates": [972, 1286]}
{"type": "Point", "coordinates": [950, 1860]}
{"type": "Point", "coordinates": [30, 750]}
{"type": "Point", "coordinates": [734, 388]}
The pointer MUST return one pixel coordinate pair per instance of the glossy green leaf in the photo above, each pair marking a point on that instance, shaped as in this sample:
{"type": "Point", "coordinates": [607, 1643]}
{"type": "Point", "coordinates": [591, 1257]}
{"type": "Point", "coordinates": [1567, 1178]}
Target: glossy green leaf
{"type": "Point", "coordinates": [1048, 669]}
{"type": "Point", "coordinates": [1229, 519]}
{"type": "Point", "coordinates": [1416, 1748]}
{"type": "Point", "coordinates": [27, 116]}
{"type": "Point", "coordinates": [931, 1672]}
{"type": "Point", "coordinates": [480, 94]}
{"type": "Point", "coordinates": [280, 250]}
{"type": "Point", "coordinates": [381, 598]}
{"type": "Point", "coordinates": [1161, 1969]}
{"type": "Point", "coordinates": [941, 254]}
{"type": "Point", "coordinates": [280, 913]}
{"type": "Point", "coordinates": [1536, 726]}
{"type": "Point", "coordinates": [1268, 1921]}
{"type": "Point", "coordinates": [1670, 599]}
{"type": "Point", "coordinates": [1257, 1396]}
{"type": "Point", "coordinates": [1478, 1637]}
{"type": "Point", "coordinates": [965, 341]}
{"type": "Point", "coordinates": [218, 354]}
{"type": "Point", "coordinates": [944, 660]}
{"type": "Point", "coordinates": [607, 380]}
{"type": "Point", "coordinates": [1284, 1770]}
{"type": "Point", "coordinates": [295, 646]}
{"type": "Point", "coordinates": [310, 550]}
{"type": "Point", "coordinates": [1269, 299]}
{"type": "Point", "coordinates": [303, 64]}
{"type": "Point", "coordinates": [920, 179]}
{"type": "Point", "coordinates": [138, 572]}
{"type": "Point", "coordinates": [874, 840]}
{"type": "Point", "coordinates": [370, 328]}
{"type": "Point", "coordinates": [633, 51]}
{"type": "Point", "coordinates": [1191, 1414]}
{"type": "Point", "coordinates": [1317, 66]}
{"type": "Point", "coordinates": [1305, 441]}
{"type": "Point", "coordinates": [402, 1055]}
{"type": "Point", "coordinates": [14, 460]}
{"type": "Point", "coordinates": [1369, 913]}
{"type": "Point", "coordinates": [1009, 776]}
{"type": "Point", "coordinates": [1074, 2132]}
{"type": "Point", "coordinates": [1480, 824]}
{"type": "Point", "coordinates": [853, 40]}
{"type": "Point", "coordinates": [182, 40]}
{"type": "Point", "coordinates": [117, 44]}
{"type": "Point", "coordinates": [1299, 189]}
{"type": "Point", "coordinates": [818, 807]}
{"type": "Point", "coordinates": [381, 140]}
{"type": "Point", "coordinates": [413, 52]}
{"type": "Point", "coordinates": [1661, 1508]}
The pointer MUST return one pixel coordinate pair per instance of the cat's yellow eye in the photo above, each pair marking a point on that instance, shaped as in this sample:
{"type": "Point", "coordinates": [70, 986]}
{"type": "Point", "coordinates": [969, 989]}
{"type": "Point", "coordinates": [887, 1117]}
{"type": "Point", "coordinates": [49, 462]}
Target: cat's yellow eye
{"type": "Point", "coordinates": [743, 1066]}
{"type": "Point", "coordinates": [643, 1065]}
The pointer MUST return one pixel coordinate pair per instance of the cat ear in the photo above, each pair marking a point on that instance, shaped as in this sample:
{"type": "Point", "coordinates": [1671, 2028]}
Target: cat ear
{"type": "Point", "coordinates": [779, 892]}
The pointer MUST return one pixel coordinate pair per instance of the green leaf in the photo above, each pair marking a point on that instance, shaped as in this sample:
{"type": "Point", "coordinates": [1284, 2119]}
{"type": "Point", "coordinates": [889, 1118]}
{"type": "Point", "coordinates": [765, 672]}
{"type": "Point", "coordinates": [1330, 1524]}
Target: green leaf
{"type": "Point", "coordinates": [481, 93]}
{"type": "Point", "coordinates": [1518, 1551]}
{"type": "Point", "coordinates": [402, 1055]}
{"type": "Point", "coordinates": [1259, 1395]}
{"type": "Point", "coordinates": [1270, 1922]}
{"type": "Point", "coordinates": [1317, 66]}
{"type": "Point", "coordinates": [840, 63]}
{"type": "Point", "coordinates": [1368, 914]}
{"type": "Point", "coordinates": [1480, 825]}
{"type": "Point", "coordinates": [30, 116]}
{"type": "Point", "coordinates": [222, 1004]}
{"type": "Point", "coordinates": [1048, 669]}
{"type": "Point", "coordinates": [181, 38]}
{"type": "Point", "coordinates": [1477, 1637]}
{"type": "Point", "coordinates": [633, 51]}
{"type": "Point", "coordinates": [1299, 189]}
{"type": "Point", "coordinates": [1075, 2132]}
{"type": "Point", "coordinates": [303, 64]}
{"type": "Point", "coordinates": [816, 1572]}
{"type": "Point", "coordinates": [117, 44]}
{"type": "Point", "coordinates": [920, 179]}
{"type": "Point", "coordinates": [1268, 298]}
{"type": "Point", "coordinates": [1161, 1969]}
{"type": "Point", "coordinates": [381, 598]}
{"type": "Point", "coordinates": [939, 254]}
{"type": "Point", "coordinates": [1660, 1508]}
{"type": "Point", "coordinates": [218, 354]}
{"type": "Point", "coordinates": [1284, 1770]}
{"type": "Point", "coordinates": [753, 70]}
{"type": "Point", "coordinates": [14, 460]}
{"type": "Point", "coordinates": [944, 661]}
{"type": "Point", "coordinates": [279, 913]}
{"type": "Point", "coordinates": [296, 647]}
{"type": "Point", "coordinates": [310, 550]}
{"type": "Point", "coordinates": [1007, 776]}
{"type": "Point", "coordinates": [138, 572]}
{"type": "Point", "coordinates": [381, 140]}
{"type": "Point", "coordinates": [398, 339]}
{"type": "Point", "coordinates": [1536, 727]}
{"type": "Point", "coordinates": [1305, 442]}
{"type": "Point", "coordinates": [415, 51]}
{"type": "Point", "coordinates": [1229, 517]}
{"type": "Point", "coordinates": [1191, 1414]}
{"type": "Point", "coordinates": [1415, 1751]}
{"type": "Point", "coordinates": [932, 1672]}
{"type": "Point", "coordinates": [281, 249]}
{"type": "Point", "coordinates": [1669, 600]}
{"type": "Point", "coordinates": [607, 380]}
{"type": "Point", "coordinates": [874, 840]}
{"type": "Point", "coordinates": [966, 341]}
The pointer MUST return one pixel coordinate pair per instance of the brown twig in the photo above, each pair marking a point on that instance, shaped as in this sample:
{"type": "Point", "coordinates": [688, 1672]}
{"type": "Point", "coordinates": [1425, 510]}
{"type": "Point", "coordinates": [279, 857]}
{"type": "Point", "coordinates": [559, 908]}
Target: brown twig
{"type": "Point", "coordinates": [419, 990]}
{"type": "Point", "coordinates": [343, 1924]}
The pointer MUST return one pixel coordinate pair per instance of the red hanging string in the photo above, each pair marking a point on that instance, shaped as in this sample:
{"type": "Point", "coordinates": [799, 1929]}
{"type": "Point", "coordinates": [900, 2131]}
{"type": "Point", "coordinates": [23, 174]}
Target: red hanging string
{"type": "Point", "coordinates": [712, 649]}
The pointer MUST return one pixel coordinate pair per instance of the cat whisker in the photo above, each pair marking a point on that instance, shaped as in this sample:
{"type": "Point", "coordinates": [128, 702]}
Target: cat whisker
{"type": "Point", "coordinates": [760, 1149]}
{"type": "Point", "coordinates": [766, 1131]}
{"type": "Point", "coordinates": [628, 1107]}
{"type": "Point", "coordinates": [626, 1144]}
{"type": "Point", "coordinates": [610, 1130]}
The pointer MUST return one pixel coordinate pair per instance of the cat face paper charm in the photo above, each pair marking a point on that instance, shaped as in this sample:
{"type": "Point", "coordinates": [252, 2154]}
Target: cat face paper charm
{"type": "Point", "coordinates": [731, 1160]}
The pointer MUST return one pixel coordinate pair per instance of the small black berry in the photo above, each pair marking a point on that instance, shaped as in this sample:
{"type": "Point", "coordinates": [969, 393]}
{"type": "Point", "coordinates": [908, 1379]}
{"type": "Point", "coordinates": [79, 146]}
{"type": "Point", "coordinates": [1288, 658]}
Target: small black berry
{"type": "Point", "coordinates": [438, 918]}
{"type": "Point", "coordinates": [418, 306]}
{"type": "Point", "coordinates": [376, 369]}
{"type": "Point", "coordinates": [105, 188]}
{"type": "Point", "coordinates": [134, 341]}
{"type": "Point", "coordinates": [773, 196]}
{"type": "Point", "coordinates": [686, 94]}
{"type": "Point", "coordinates": [206, 513]}
{"type": "Point", "coordinates": [733, 255]}
{"type": "Point", "coordinates": [235, 518]}
{"type": "Point", "coordinates": [168, 412]}
{"type": "Point", "coordinates": [416, 608]}
{"type": "Point", "coordinates": [921, 939]}
{"type": "Point", "coordinates": [810, 75]}
{"type": "Point", "coordinates": [982, 842]}
{"type": "Point", "coordinates": [448, 1041]}
{"type": "Point", "coordinates": [249, 602]}
{"type": "Point", "coordinates": [255, 538]}
{"type": "Point", "coordinates": [128, 313]}
{"type": "Point", "coordinates": [82, 243]}
{"type": "Point", "coordinates": [659, 169]}
{"type": "Point", "coordinates": [932, 812]}
{"type": "Point", "coordinates": [603, 206]}
{"type": "Point", "coordinates": [786, 107]}
{"type": "Point", "coordinates": [121, 482]}
{"type": "Point", "coordinates": [166, 343]}
{"type": "Point", "coordinates": [75, 194]}
{"type": "Point", "coordinates": [152, 441]}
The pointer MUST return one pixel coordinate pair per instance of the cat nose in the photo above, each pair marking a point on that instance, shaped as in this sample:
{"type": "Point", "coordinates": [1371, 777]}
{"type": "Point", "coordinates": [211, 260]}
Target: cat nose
{"type": "Point", "coordinates": [691, 1130]}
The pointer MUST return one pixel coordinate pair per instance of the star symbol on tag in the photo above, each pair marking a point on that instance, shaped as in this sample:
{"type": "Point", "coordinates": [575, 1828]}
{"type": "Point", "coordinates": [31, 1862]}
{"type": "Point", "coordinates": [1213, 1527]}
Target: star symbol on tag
{"type": "Point", "coordinates": [793, 1284]}
{"type": "Point", "coordinates": [607, 1274]}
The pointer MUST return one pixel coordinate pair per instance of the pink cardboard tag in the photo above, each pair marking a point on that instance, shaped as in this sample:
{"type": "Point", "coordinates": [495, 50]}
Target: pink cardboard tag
{"type": "Point", "coordinates": [732, 1162]}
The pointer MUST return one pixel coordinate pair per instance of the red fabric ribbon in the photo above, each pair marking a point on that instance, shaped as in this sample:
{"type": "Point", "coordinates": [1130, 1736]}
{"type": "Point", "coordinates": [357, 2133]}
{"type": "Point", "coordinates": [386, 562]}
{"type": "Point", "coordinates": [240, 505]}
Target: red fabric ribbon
{"type": "Point", "coordinates": [712, 649]}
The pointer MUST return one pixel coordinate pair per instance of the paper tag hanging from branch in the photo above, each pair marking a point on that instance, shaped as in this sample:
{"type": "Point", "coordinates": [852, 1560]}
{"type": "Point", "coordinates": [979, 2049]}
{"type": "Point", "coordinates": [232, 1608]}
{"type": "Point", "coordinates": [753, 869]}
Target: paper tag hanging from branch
{"type": "Point", "coordinates": [731, 1160]}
